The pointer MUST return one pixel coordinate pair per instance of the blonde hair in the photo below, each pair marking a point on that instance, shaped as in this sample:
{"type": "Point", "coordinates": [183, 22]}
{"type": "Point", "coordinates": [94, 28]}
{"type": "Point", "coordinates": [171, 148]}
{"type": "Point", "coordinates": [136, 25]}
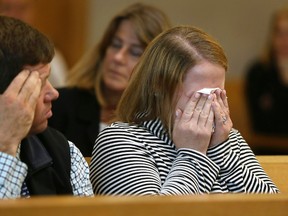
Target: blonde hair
{"type": "Point", "coordinates": [147, 21]}
{"type": "Point", "coordinates": [268, 54]}
{"type": "Point", "coordinates": [160, 72]}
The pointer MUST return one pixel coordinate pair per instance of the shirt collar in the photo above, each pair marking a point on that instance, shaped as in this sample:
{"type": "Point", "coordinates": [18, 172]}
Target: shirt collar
{"type": "Point", "coordinates": [157, 128]}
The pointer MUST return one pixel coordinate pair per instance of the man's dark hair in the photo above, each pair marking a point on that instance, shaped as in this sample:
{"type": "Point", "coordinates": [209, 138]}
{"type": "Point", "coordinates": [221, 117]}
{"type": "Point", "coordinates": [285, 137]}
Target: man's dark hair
{"type": "Point", "coordinates": [20, 45]}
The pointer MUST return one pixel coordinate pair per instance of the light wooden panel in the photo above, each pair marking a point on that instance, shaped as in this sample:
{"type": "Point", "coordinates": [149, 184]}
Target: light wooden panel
{"type": "Point", "coordinates": [65, 22]}
{"type": "Point", "coordinates": [277, 168]}
{"type": "Point", "coordinates": [202, 205]}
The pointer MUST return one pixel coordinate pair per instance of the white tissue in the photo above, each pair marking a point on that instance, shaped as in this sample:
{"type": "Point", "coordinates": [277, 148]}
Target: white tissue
{"type": "Point", "coordinates": [207, 90]}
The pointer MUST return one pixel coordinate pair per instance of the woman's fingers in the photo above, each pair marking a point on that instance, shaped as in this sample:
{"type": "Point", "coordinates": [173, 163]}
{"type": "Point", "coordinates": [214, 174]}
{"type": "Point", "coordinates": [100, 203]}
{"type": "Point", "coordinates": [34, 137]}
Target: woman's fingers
{"type": "Point", "coordinates": [222, 100]}
{"type": "Point", "coordinates": [205, 111]}
{"type": "Point", "coordinates": [223, 123]}
{"type": "Point", "coordinates": [225, 99]}
{"type": "Point", "coordinates": [190, 107]}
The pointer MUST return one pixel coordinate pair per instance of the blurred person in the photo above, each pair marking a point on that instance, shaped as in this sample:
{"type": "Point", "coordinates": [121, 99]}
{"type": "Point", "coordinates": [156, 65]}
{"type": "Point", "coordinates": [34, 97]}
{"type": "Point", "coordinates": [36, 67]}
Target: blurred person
{"type": "Point", "coordinates": [98, 80]}
{"type": "Point", "coordinates": [267, 82]}
{"type": "Point", "coordinates": [34, 159]}
{"type": "Point", "coordinates": [169, 139]}
{"type": "Point", "coordinates": [25, 11]}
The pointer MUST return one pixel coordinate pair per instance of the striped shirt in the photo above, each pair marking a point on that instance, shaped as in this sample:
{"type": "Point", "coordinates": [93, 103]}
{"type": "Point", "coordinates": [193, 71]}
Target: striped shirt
{"type": "Point", "coordinates": [143, 160]}
{"type": "Point", "coordinates": [13, 173]}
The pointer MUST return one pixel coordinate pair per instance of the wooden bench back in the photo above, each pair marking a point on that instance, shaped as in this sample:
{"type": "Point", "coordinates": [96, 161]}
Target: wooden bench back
{"type": "Point", "coordinates": [277, 168]}
{"type": "Point", "coordinates": [202, 205]}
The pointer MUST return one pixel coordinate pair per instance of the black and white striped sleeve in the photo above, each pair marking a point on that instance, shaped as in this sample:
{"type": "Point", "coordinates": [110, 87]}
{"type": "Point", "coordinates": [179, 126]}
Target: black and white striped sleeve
{"type": "Point", "coordinates": [192, 173]}
{"type": "Point", "coordinates": [239, 169]}
{"type": "Point", "coordinates": [122, 164]}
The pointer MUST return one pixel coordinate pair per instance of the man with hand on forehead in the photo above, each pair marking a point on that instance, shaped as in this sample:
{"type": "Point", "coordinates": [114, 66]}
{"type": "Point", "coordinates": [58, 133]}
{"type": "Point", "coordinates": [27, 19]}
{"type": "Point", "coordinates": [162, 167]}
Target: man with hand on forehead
{"type": "Point", "coordinates": [34, 159]}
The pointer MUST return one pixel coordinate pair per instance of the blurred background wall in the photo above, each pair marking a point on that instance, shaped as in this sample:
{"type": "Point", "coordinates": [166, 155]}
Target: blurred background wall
{"type": "Point", "coordinates": [65, 22]}
{"type": "Point", "coordinates": [241, 26]}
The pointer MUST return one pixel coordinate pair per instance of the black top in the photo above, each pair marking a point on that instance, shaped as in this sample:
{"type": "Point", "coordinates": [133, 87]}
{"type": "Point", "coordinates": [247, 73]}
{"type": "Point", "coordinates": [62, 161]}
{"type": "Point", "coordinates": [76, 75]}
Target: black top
{"type": "Point", "coordinates": [76, 113]}
{"type": "Point", "coordinates": [267, 99]}
{"type": "Point", "coordinates": [47, 156]}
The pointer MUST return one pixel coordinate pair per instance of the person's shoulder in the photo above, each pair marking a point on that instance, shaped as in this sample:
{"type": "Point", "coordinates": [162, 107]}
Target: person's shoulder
{"type": "Point", "coordinates": [126, 126]}
{"type": "Point", "coordinates": [118, 129]}
{"type": "Point", "coordinates": [117, 126]}
{"type": "Point", "coordinates": [122, 135]}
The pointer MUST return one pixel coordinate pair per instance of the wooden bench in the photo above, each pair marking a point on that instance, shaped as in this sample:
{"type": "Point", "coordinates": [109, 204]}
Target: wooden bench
{"type": "Point", "coordinates": [202, 205]}
{"type": "Point", "coordinates": [214, 204]}
{"type": "Point", "coordinates": [277, 169]}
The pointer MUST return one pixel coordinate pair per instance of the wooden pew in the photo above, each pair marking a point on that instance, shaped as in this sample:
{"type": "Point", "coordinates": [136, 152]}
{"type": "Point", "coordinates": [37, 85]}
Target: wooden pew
{"type": "Point", "coordinates": [213, 204]}
{"type": "Point", "coordinates": [88, 160]}
{"type": "Point", "coordinates": [277, 169]}
{"type": "Point", "coordinates": [218, 204]}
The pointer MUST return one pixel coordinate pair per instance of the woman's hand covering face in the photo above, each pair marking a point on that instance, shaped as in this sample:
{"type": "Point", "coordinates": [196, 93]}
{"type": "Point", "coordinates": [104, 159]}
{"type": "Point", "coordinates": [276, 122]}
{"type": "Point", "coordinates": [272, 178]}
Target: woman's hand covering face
{"type": "Point", "coordinates": [201, 120]}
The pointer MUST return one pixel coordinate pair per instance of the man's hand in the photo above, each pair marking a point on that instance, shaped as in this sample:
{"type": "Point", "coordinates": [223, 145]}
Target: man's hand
{"type": "Point", "coordinates": [17, 109]}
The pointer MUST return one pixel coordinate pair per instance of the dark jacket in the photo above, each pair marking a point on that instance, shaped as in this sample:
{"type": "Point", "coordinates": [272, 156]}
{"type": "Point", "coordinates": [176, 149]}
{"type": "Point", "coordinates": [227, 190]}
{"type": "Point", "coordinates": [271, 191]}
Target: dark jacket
{"type": "Point", "coordinates": [76, 114]}
{"type": "Point", "coordinates": [47, 156]}
{"type": "Point", "coordinates": [267, 99]}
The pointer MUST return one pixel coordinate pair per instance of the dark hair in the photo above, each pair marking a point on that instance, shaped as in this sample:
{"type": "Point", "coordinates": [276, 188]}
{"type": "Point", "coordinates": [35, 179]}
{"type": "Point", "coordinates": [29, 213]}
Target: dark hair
{"type": "Point", "coordinates": [20, 45]}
